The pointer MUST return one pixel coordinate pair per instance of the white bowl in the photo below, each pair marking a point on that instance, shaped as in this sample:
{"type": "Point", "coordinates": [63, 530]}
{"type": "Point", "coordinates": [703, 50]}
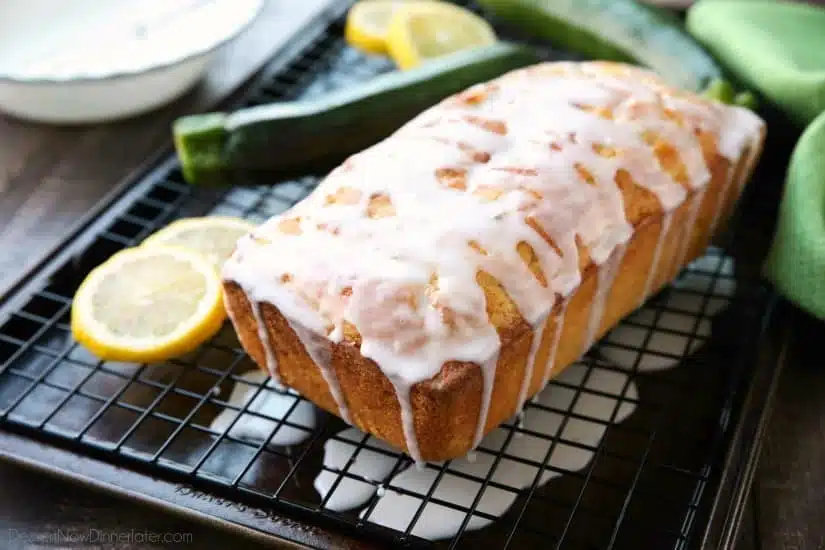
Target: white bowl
{"type": "Point", "coordinates": [86, 61]}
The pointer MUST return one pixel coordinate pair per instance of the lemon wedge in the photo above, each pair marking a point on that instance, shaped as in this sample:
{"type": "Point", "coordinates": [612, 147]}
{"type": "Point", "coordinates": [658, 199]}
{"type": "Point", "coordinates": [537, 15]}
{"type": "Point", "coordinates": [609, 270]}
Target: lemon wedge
{"type": "Point", "coordinates": [213, 237]}
{"type": "Point", "coordinates": [148, 304]}
{"type": "Point", "coordinates": [366, 25]}
{"type": "Point", "coordinates": [426, 29]}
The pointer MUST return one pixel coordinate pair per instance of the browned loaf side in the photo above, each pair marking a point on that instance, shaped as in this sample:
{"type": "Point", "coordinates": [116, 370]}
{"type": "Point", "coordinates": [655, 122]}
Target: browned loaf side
{"type": "Point", "coordinates": [446, 408]}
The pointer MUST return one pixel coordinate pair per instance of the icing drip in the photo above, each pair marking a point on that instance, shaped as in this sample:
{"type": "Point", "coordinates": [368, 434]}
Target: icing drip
{"type": "Point", "coordinates": [488, 375]}
{"type": "Point", "coordinates": [690, 222]}
{"type": "Point", "coordinates": [604, 283]}
{"type": "Point", "coordinates": [530, 365]}
{"type": "Point", "coordinates": [509, 179]}
{"type": "Point", "coordinates": [657, 253]}
{"type": "Point", "coordinates": [658, 336]}
{"type": "Point", "coordinates": [369, 471]}
{"type": "Point", "coordinates": [372, 471]}
{"type": "Point", "coordinates": [532, 356]}
{"type": "Point", "coordinates": [731, 144]}
{"type": "Point", "coordinates": [402, 392]}
{"type": "Point", "coordinates": [660, 333]}
{"type": "Point", "coordinates": [370, 463]}
{"type": "Point", "coordinates": [266, 343]}
{"type": "Point", "coordinates": [737, 184]}
{"type": "Point", "coordinates": [551, 359]}
{"type": "Point", "coordinates": [320, 351]}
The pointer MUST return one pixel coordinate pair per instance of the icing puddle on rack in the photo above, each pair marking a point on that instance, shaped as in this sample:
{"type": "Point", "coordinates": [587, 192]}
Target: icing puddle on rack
{"type": "Point", "coordinates": [269, 405]}
{"type": "Point", "coordinates": [596, 395]}
{"type": "Point", "coordinates": [522, 455]}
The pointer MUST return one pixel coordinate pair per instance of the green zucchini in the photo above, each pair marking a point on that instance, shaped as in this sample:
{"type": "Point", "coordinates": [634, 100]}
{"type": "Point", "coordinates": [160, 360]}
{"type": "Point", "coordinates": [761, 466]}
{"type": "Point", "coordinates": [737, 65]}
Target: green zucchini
{"type": "Point", "coordinates": [301, 137]}
{"type": "Point", "coordinates": [615, 30]}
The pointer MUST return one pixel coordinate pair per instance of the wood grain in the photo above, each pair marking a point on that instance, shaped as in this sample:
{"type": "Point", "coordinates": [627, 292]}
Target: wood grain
{"type": "Point", "coordinates": [42, 512]}
{"type": "Point", "coordinates": [51, 176]}
{"type": "Point", "coordinates": [790, 486]}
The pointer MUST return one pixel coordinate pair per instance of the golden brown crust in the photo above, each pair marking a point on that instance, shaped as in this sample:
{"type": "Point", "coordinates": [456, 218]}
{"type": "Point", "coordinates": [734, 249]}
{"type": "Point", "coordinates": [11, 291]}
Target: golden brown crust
{"type": "Point", "coordinates": [446, 408]}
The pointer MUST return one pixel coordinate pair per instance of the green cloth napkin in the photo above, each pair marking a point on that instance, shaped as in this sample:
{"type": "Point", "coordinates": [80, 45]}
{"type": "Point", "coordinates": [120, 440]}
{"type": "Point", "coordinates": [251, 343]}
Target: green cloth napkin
{"type": "Point", "coordinates": [796, 261]}
{"type": "Point", "coordinates": [775, 48]}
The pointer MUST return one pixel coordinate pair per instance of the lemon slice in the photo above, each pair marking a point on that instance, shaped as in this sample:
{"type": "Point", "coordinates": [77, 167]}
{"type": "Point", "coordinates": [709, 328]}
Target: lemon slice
{"type": "Point", "coordinates": [426, 29]}
{"type": "Point", "coordinates": [213, 237]}
{"type": "Point", "coordinates": [148, 304]}
{"type": "Point", "coordinates": [366, 25]}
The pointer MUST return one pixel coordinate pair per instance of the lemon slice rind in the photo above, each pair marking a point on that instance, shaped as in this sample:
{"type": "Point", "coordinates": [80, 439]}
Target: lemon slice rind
{"type": "Point", "coordinates": [364, 29]}
{"type": "Point", "coordinates": [406, 47]}
{"type": "Point", "coordinates": [188, 334]}
{"type": "Point", "coordinates": [174, 235]}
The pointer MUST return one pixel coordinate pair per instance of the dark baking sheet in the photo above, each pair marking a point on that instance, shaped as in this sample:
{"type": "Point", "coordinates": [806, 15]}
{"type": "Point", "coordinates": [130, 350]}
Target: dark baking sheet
{"type": "Point", "coordinates": [673, 475]}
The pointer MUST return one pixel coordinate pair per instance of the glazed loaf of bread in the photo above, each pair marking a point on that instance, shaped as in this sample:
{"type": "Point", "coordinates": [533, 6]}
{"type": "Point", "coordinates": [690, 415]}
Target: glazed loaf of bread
{"type": "Point", "coordinates": [435, 281]}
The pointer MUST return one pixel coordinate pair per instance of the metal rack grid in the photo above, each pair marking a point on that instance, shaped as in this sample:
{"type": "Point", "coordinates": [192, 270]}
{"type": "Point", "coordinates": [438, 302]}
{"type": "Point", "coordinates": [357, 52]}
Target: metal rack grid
{"type": "Point", "coordinates": [643, 487]}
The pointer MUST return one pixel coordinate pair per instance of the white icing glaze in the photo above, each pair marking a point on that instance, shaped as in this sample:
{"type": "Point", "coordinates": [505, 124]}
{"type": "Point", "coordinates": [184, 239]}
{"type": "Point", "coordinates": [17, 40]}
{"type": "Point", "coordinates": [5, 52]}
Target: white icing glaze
{"type": "Point", "coordinates": [699, 283]}
{"type": "Point", "coordinates": [551, 359]}
{"type": "Point", "coordinates": [690, 222]}
{"type": "Point", "coordinates": [516, 472]}
{"type": "Point", "coordinates": [269, 406]}
{"type": "Point", "coordinates": [402, 392]}
{"type": "Point", "coordinates": [320, 351]}
{"type": "Point", "coordinates": [368, 471]}
{"type": "Point", "coordinates": [532, 356]}
{"type": "Point", "coordinates": [674, 332]}
{"type": "Point", "coordinates": [263, 334]}
{"type": "Point", "coordinates": [530, 365]}
{"type": "Point", "coordinates": [672, 336]}
{"type": "Point", "coordinates": [657, 253]}
{"type": "Point", "coordinates": [711, 277]}
{"type": "Point", "coordinates": [406, 226]}
{"type": "Point", "coordinates": [604, 284]}
{"type": "Point", "coordinates": [372, 463]}
{"type": "Point", "coordinates": [488, 376]}
{"type": "Point", "coordinates": [731, 144]}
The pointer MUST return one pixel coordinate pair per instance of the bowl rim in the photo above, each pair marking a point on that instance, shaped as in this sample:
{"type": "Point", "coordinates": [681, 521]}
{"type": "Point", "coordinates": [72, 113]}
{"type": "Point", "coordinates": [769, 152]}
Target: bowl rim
{"type": "Point", "coordinates": [189, 55]}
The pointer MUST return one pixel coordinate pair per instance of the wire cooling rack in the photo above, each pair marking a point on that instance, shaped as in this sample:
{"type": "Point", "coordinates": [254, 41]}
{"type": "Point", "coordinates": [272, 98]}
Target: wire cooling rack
{"type": "Point", "coordinates": [649, 478]}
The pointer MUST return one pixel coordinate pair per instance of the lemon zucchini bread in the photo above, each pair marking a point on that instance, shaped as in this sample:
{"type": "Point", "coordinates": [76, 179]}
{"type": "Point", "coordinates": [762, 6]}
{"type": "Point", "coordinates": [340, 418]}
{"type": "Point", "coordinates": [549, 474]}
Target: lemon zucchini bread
{"type": "Point", "coordinates": [434, 282]}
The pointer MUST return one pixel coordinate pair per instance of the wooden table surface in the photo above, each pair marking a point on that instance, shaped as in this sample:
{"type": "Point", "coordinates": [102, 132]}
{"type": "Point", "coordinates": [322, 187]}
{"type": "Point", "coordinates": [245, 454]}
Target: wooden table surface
{"type": "Point", "coordinates": [49, 177]}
